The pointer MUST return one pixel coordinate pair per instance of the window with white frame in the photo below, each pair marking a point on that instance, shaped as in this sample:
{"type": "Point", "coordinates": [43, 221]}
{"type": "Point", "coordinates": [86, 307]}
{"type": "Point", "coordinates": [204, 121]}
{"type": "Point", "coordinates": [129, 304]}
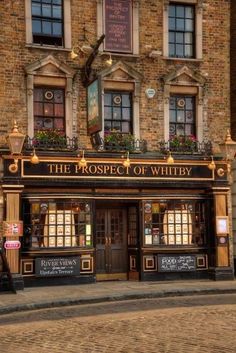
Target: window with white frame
{"type": "Point", "coordinates": [183, 29]}
{"type": "Point", "coordinates": [48, 23]}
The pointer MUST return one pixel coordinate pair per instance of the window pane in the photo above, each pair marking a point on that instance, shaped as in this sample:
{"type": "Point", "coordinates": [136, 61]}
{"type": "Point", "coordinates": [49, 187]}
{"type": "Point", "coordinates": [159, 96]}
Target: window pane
{"type": "Point", "coordinates": [172, 116]}
{"type": "Point", "coordinates": [117, 113]}
{"type": "Point", "coordinates": [172, 23]}
{"type": "Point", "coordinates": [57, 29]}
{"type": "Point", "coordinates": [189, 116]}
{"type": "Point", "coordinates": [48, 123]}
{"type": "Point", "coordinates": [180, 116]}
{"type": "Point", "coordinates": [56, 11]}
{"type": "Point", "coordinates": [107, 125]}
{"type": "Point", "coordinates": [179, 25]}
{"type": "Point", "coordinates": [179, 11]}
{"type": "Point", "coordinates": [57, 2]}
{"type": "Point", "coordinates": [172, 49]}
{"type": "Point", "coordinates": [58, 96]}
{"type": "Point", "coordinates": [125, 100]}
{"type": "Point", "coordinates": [46, 10]}
{"type": "Point", "coordinates": [36, 26]}
{"type": "Point", "coordinates": [172, 129]}
{"type": "Point", "coordinates": [179, 50]}
{"type": "Point", "coordinates": [172, 11]}
{"type": "Point", "coordinates": [189, 51]}
{"type": "Point", "coordinates": [36, 9]}
{"type": "Point", "coordinates": [125, 127]}
{"type": "Point", "coordinates": [188, 130]}
{"type": "Point", "coordinates": [188, 37]}
{"type": "Point", "coordinates": [171, 37]}
{"type": "Point", "coordinates": [126, 114]}
{"type": "Point", "coordinates": [180, 130]}
{"type": "Point", "coordinates": [107, 99]}
{"type": "Point", "coordinates": [59, 124]}
{"type": "Point", "coordinates": [46, 27]}
{"type": "Point", "coordinates": [48, 109]}
{"type": "Point", "coordinates": [189, 12]}
{"type": "Point", "coordinates": [189, 25]}
{"type": "Point", "coordinates": [38, 123]}
{"type": "Point", "coordinates": [107, 113]}
{"type": "Point", "coordinates": [116, 125]}
{"type": "Point", "coordinates": [189, 102]}
{"type": "Point", "coordinates": [179, 38]}
{"type": "Point", "coordinates": [59, 109]}
{"type": "Point", "coordinates": [38, 94]}
{"type": "Point", "coordinates": [38, 108]}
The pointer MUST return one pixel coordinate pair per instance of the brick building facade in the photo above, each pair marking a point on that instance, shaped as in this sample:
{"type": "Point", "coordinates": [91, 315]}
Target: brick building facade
{"type": "Point", "coordinates": [159, 79]}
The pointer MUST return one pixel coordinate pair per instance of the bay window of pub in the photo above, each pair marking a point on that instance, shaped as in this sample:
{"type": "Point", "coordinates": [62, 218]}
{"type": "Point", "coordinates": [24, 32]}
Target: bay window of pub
{"type": "Point", "coordinates": [175, 222]}
{"type": "Point", "coordinates": [47, 22]}
{"type": "Point", "coordinates": [49, 109]}
{"type": "Point", "coordinates": [118, 25]}
{"type": "Point", "coordinates": [118, 113]}
{"type": "Point", "coordinates": [181, 28]}
{"type": "Point", "coordinates": [54, 223]}
{"type": "Point", "coordinates": [182, 119]}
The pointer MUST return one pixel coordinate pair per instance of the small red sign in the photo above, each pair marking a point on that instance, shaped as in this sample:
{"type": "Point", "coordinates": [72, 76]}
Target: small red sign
{"type": "Point", "coordinates": [12, 244]}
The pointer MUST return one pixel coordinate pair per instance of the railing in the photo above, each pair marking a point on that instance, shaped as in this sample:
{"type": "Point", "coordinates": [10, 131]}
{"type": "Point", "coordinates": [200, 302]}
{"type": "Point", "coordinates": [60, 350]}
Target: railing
{"type": "Point", "coordinates": [134, 146]}
{"type": "Point", "coordinates": [194, 148]}
{"type": "Point", "coordinates": [61, 144]}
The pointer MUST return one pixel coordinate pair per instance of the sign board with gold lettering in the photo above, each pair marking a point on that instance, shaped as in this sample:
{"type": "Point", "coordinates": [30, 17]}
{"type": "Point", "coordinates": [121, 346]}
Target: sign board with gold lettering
{"type": "Point", "coordinates": [118, 25]}
{"type": "Point", "coordinates": [115, 170]}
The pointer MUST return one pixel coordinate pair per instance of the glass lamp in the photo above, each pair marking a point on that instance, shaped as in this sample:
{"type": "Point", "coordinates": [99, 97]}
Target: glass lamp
{"type": "Point", "coordinates": [15, 140]}
{"type": "Point", "coordinates": [228, 148]}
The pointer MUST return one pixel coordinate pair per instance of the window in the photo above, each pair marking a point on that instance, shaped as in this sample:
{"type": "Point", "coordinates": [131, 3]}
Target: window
{"type": "Point", "coordinates": [57, 223]}
{"type": "Point", "coordinates": [47, 22]}
{"type": "Point", "coordinates": [175, 222]}
{"type": "Point", "coordinates": [182, 116]}
{"type": "Point", "coordinates": [118, 111]}
{"type": "Point", "coordinates": [181, 31]}
{"type": "Point", "coordinates": [119, 21]}
{"type": "Point", "coordinates": [49, 109]}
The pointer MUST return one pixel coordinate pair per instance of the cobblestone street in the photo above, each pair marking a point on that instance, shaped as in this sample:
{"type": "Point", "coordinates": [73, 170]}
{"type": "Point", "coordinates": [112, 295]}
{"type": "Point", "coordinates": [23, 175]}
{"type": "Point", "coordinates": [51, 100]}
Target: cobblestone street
{"type": "Point", "coordinates": [186, 324]}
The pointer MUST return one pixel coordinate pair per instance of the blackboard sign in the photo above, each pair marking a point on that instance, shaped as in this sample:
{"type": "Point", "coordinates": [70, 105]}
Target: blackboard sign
{"type": "Point", "coordinates": [57, 266]}
{"type": "Point", "coordinates": [176, 263]}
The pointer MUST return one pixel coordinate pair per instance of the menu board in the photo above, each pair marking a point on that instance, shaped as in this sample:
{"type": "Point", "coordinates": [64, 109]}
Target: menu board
{"type": "Point", "coordinates": [118, 25]}
{"type": "Point", "coordinates": [176, 263]}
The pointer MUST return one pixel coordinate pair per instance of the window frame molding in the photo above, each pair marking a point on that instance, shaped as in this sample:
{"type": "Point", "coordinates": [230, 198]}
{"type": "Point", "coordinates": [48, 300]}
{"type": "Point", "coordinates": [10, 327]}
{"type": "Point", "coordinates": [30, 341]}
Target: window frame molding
{"type": "Point", "coordinates": [111, 80]}
{"type": "Point", "coordinates": [198, 27]}
{"type": "Point", "coordinates": [135, 32]}
{"type": "Point", "coordinates": [191, 83]}
{"type": "Point", "coordinates": [37, 74]}
{"type": "Point", "coordinates": [66, 26]}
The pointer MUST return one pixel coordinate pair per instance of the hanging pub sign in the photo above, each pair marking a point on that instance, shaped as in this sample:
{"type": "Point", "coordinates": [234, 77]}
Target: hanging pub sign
{"type": "Point", "coordinates": [118, 25]}
{"type": "Point", "coordinates": [94, 106]}
{"type": "Point", "coordinates": [11, 228]}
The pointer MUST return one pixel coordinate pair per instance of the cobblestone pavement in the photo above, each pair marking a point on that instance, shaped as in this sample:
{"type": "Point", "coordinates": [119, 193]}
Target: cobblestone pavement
{"type": "Point", "coordinates": [203, 324]}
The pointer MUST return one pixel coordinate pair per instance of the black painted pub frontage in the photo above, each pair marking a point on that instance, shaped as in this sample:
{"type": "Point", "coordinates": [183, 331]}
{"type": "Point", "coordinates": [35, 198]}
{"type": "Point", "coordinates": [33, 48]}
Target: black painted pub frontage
{"type": "Point", "coordinates": [148, 221]}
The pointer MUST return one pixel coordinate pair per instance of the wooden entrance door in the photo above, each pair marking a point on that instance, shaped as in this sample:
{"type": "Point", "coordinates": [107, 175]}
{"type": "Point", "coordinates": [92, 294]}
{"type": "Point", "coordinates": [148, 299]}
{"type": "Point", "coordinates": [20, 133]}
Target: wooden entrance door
{"type": "Point", "coordinates": [111, 244]}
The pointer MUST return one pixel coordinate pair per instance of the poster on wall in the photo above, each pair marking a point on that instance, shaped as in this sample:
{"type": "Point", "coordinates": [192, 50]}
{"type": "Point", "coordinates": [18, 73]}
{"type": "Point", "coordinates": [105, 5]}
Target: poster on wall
{"type": "Point", "coordinates": [94, 106]}
{"type": "Point", "coordinates": [118, 25]}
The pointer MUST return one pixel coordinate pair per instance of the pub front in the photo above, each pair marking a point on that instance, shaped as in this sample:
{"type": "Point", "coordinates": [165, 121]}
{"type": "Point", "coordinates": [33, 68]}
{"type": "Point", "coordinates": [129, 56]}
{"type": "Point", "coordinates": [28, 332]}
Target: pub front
{"type": "Point", "coordinates": [113, 217]}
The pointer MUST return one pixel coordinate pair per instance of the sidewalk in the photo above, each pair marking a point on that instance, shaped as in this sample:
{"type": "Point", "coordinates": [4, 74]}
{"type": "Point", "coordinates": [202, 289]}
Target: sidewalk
{"type": "Point", "coordinates": [55, 296]}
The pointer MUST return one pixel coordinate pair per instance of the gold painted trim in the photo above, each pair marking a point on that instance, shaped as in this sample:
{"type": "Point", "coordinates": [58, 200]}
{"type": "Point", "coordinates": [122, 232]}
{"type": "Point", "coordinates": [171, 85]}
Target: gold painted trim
{"type": "Point", "coordinates": [111, 276]}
